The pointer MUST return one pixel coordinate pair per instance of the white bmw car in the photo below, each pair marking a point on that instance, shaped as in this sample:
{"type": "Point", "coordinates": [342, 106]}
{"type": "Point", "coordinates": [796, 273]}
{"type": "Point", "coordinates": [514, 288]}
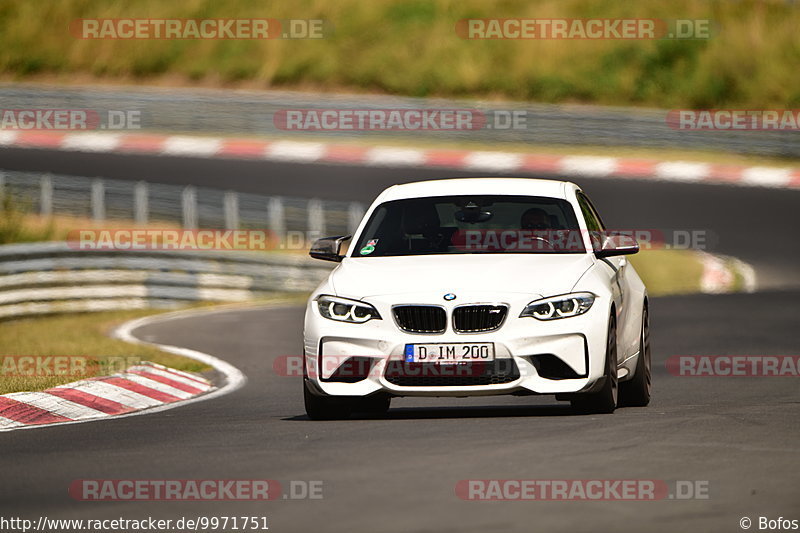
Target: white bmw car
{"type": "Point", "coordinates": [479, 286]}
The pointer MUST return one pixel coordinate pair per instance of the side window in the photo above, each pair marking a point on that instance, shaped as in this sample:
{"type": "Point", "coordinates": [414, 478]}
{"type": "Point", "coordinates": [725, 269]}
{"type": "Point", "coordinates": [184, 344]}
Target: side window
{"type": "Point", "coordinates": [594, 210]}
{"type": "Point", "coordinates": [593, 222]}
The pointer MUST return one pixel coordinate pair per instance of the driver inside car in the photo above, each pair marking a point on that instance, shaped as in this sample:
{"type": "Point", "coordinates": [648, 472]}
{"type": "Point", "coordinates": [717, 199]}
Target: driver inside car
{"type": "Point", "coordinates": [537, 224]}
{"type": "Point", "coordinates": [535, 219]}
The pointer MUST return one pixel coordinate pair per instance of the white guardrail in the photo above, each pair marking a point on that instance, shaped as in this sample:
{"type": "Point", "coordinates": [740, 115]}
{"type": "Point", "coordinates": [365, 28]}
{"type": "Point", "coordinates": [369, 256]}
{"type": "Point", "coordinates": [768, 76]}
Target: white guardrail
{"type": "Point", "coordinates": [45, 278]}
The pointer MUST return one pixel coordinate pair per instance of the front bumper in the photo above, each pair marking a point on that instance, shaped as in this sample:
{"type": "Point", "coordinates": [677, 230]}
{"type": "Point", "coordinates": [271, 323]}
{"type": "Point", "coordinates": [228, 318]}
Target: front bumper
{"type": "Point", "coordinates": [549, 357]}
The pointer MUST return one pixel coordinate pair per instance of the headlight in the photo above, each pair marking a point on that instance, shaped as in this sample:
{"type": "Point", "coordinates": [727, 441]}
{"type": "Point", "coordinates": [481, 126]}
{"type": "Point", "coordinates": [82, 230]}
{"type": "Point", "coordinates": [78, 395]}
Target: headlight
{"type": "Point", "coordinates": [562, 306]}
{"type": "Point", "coordinates": [344, 310]}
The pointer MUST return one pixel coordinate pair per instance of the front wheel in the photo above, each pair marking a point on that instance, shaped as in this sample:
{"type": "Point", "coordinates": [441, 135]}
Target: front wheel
{"type": "Point", "coordinates": [325, 407]}
{"type": "Point", "coordinates": [376, 405]}
{"type": "Point", "coordinates": [604, 400]}
{"type": "Point", "coordinates": [636, 391]}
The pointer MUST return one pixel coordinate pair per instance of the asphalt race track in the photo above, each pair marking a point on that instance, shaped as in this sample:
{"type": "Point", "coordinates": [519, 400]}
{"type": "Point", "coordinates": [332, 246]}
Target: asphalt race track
{"type": "Point", "coordinates": [740, 435]}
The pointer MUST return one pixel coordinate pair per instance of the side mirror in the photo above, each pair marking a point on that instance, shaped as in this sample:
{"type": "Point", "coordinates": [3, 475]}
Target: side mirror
{"type": "Point", "coordinates": [617, 245]}
{"type": "Point", "coordinates": [328, 248]}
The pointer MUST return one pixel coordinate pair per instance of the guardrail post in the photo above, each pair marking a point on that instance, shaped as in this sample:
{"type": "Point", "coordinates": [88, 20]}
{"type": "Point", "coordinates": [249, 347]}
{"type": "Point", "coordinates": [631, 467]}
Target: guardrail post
{"type": "Point", "coordinates": [189, 207]}
{"type": "Point", "coordinates": [231, 208]}
{"type": "Point", "coordinates": [354, 215]}
{"type": "Point", "coordinates": [46, 196]}
{"type": "Point", "coordinates": [98, 200]}
{"type": "Point", "coordinates": [277, 222]}
{"type": "Point", "coordinates": [140, 207]}
{"type": "Point", "coordinates": [316, 219]}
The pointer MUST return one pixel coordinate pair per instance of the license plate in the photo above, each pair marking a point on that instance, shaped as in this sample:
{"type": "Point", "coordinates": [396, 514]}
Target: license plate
{"type": "Point", "coordinates": [460, 352]}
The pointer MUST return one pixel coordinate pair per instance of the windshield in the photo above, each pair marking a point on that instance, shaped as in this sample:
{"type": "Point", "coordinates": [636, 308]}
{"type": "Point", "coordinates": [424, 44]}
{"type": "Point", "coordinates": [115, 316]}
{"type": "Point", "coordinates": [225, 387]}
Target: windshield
{"type": "Point", "coordinates": [470, 224]}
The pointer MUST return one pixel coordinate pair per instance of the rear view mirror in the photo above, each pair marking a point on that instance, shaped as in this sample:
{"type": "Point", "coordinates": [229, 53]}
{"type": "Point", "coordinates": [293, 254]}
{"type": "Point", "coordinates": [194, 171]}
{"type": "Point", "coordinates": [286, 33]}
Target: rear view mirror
{"type": "Point", "coordinates": [617, 245]}
{"type": "Point", "coordinates": [328, 248]}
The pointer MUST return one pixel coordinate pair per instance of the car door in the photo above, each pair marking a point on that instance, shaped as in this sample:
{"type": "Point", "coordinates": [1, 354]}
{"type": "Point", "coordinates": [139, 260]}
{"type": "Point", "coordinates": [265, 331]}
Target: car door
{"type": "Point", "coordinates": [617, 268]}
{"type": "Point", "coordinates": [613, 267]}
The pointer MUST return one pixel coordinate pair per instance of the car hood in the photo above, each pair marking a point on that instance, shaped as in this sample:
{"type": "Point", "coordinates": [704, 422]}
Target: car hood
{"type": "Point", "coordinates": [542, 274]}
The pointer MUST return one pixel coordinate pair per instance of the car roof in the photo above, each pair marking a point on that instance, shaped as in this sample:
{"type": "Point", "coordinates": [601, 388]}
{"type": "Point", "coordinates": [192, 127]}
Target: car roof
{"type": "Point", "coordinates": [502, 186]}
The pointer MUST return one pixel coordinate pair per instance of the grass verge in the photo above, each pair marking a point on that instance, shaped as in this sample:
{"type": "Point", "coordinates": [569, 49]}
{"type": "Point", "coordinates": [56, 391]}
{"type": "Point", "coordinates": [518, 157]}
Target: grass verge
{"type": "Point", "coordinates": [87, 337]}
{"type": "Point", "coordinates": [80, 335]}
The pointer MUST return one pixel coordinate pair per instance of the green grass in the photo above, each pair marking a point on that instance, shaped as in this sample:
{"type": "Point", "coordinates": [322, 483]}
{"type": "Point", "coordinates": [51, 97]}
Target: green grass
{"type": "Point", "coordinates": [666, 272]}
{"type": "Point", "coordinates": [409, 47]}
{"type": "Point", "coordinates": [78, 335]}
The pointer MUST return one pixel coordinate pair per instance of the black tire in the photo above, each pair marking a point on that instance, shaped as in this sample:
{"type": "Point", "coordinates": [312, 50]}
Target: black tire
{"type": "Point", "coordinates": [605, 399]}
{"type": "Point", "coordinates": [326, 407]}
{"type": "Point", "coordinates": [376, 405]}
{"type": "Point", "coordinates": [636, 391]}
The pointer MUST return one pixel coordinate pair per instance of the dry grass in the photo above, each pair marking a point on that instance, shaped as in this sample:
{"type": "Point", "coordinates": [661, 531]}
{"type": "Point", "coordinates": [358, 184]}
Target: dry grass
{"type": "Point", "coordinates": [410, 47]}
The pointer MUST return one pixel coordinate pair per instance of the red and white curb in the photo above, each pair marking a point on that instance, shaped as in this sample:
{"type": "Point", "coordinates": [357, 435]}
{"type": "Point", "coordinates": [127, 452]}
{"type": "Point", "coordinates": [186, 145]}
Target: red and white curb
{"type": "Point", "coordinates": [719, 274]}
{"type": "Point", "coordinates": [582, 166]}
{"type": "Point", "coordinates": [139, 387]}
{"type": "Point", "coordinates": [142, 389]}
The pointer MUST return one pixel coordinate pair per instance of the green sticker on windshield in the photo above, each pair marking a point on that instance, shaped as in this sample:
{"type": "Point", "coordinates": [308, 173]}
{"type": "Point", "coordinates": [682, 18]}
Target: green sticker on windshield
{"type": "Point", "coordinates": [367, 250]}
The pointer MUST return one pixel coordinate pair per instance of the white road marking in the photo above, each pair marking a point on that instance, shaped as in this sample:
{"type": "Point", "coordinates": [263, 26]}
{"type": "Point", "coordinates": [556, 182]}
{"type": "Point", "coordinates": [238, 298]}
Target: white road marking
{"type": "Point", "coordinates": [682, 171]}
{"type": "Point", "coordinates": [91, 142]}
{"type": "Point", "coordinates": [294, 151]}
{"type": "Point", "coordinates": [199, 146]}
{"type": "Point", "coordinates": [588, 166]}
{"type": "Point", "coordinates": [493, 161]}
{"type": "Point", "coordinates": [390, 157]}
{"type": "Point", "coordinates": [8, 137]}
{"type": "Point", "coordinates": [767, 177]}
